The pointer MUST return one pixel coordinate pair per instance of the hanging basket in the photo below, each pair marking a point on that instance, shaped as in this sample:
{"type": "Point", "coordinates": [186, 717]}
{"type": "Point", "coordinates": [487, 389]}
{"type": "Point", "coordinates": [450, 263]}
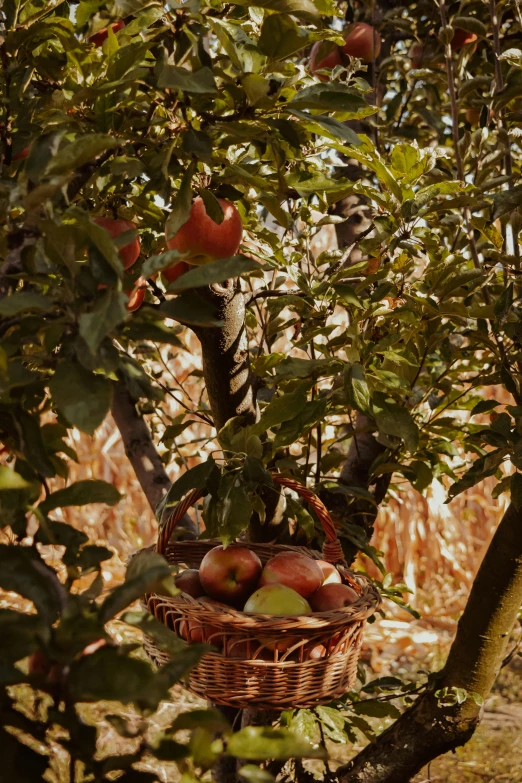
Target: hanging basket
{"type": "Point", "coordinates": [265, 662]}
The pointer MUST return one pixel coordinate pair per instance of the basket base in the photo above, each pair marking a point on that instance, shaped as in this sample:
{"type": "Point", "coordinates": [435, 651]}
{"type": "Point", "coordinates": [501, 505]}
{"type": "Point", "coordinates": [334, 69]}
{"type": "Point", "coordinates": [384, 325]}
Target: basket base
{"type": "Point", "coordinates": [266, 685]}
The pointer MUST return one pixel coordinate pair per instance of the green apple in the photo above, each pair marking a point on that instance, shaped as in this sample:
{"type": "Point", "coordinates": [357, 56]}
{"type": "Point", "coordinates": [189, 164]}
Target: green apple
{"type": "Point", "coordinates": [277, 599]}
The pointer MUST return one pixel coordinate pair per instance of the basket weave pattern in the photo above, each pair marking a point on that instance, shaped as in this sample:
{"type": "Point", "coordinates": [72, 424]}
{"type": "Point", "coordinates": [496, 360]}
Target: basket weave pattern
{"type": "Point", "coordinates": [264, 661]}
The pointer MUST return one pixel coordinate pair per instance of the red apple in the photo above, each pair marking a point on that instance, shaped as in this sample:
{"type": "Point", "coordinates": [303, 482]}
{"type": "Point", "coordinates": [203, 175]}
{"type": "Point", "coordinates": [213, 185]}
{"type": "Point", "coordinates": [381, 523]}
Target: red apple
{"type": "Point", "coordinates": [294, 570]}
{"type": "Point", "coordinates": [360, 40]}
{"type": "Point", "coordinates": [230, 575]}
{"type": "Point", "coordinates": [333, 596]}
{"type": "Point", "coordinates": [137, 295]}
{"type": "Point", "coordinates": [204, 240]}
{"type": "Point", "coordinates": [462, 38]}
{"type": "Point", "coordinates": [129, 254]}
{"type": "Point", "coordinates": [330, 60]}
{"type": "Point", "coordinates": [192, 631]}
{"type": "Point", "coordinates": [173, 272]}
{"type": "Point", "coordinates": [330, 572]}
{"type": "Point", "coordinates": [98, 38]}
{"type": "Point", "coordinates": [190, 583]}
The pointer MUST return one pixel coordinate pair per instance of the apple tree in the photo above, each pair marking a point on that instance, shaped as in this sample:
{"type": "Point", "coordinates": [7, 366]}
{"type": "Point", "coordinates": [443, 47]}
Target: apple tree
{"type": "Point", "coordinates": [135, 138]}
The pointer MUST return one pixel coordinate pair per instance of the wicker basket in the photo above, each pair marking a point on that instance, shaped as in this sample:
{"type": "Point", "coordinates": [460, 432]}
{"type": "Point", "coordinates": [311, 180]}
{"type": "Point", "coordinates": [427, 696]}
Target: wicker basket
{"type": "Point", "coordinates": [264, 661]}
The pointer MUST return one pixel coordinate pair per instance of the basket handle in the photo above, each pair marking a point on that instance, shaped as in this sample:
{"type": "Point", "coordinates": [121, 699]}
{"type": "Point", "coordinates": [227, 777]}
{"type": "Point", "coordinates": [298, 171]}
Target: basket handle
{"type": "Point", "coordinates": [332, 550]}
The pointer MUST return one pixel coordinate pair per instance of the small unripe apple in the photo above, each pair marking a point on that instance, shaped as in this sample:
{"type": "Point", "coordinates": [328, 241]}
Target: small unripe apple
{"type": "Point", "coordinates": [463, 38]}
{"type": "Point", "coordinates": [189, 582]}
{"type": "Point", "coordinates": [230, 575]}
{"type": "Point", "coordinates": [98, 38]}
{"type": "Point", "coordinates": [173, 272]}
{"type": "Point", "coordinates": [130, 253]}
{"type": "Point", "coordinates": [330, 60]}
{"type": "Point", "coordinates": [473, 116]}
{"type": "Point", "coordinates": [333, 596]}
{"type": "Point", "coordinates": [330, 572]}
{"type": "Point", "coordinates": [361, 40]}
{"type": "Point", "coordinates": [203, 239]}
{"type": "Point", "coordinates": [294, 570]}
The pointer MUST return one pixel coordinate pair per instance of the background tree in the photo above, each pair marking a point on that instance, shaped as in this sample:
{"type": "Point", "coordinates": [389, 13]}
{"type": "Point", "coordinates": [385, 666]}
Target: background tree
{"type": "Point", "coordinates": [381, 343]}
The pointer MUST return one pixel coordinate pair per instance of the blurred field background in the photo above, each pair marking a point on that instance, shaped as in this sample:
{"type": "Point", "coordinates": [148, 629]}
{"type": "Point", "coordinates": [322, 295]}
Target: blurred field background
{"type": "Point", "coordinates": [434, 548]}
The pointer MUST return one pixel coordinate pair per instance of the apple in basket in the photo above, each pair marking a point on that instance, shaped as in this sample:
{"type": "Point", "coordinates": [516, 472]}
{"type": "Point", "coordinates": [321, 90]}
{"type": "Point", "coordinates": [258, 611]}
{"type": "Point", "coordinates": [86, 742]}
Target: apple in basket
{"type": "Point", "coordinates": [330, 572]}
{"type": "Point", "coordinates": [196, 632]}
{"type": "Point", "coordinates": [278, 599]}
{"type": "Point", "coordinates": [230, 575]}
{"type": "Point", "coordinates": [189, 582]}
{"type": "Point", "coordinates": [333, 596]}
{"type": "Point", "coordinates": [294, 570]}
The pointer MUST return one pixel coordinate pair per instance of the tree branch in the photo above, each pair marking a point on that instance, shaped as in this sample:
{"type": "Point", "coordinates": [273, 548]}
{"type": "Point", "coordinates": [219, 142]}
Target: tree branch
{"type": "Point", "coordinates": [430, 728]}
{"type": "Point", "coordinates": [140, 449]}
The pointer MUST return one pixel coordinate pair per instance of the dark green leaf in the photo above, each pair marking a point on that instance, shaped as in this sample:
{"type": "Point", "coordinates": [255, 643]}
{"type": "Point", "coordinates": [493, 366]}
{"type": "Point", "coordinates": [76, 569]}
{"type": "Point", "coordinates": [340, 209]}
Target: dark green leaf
{"type": "Point", "coordinates": [23, 301]}
{"type": "Point", "coordinates": [192, 309]}
{"type": "Point", "coordinates": [109, 310]}
{"type": "Point", "coordinates": [82, 493]}
{"type": "Point", "coordinates": [197, 82]}
{"type": "Point", "coordinates": [214, 272]}
{"type": "Point", "coordinates": [281, 409]}
{"type": "Point", "coordinates": [83, 397]}
{"type": "Point", "coordinates": [84, 149]}
{"type": "Point", "coordinates": [356, 387]}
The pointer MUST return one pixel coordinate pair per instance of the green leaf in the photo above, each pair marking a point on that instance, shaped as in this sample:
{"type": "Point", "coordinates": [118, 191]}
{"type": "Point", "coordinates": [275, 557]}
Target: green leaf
{"type": "Point", "coordinates": [304, 724]}
{"type": "Point", "coordinates": [192, 309]}
{"type": "Point", "coordinates": [164, 638]}
{"type": "Point", "coordinates": [109, 311]}
{"type": "Point", "coordinates": [199, 82]}
{"type": "Point", "coordinates": [294, 7]}
{"type": "Point", "coordinates": [356, 387]}
{"type": "Point", "coordinates": [506, 201]}
{"type": "Point", "coordinates": [395, 420]}
{"type": "Point", "coordinates": [281, 37]}
{"type": "Point", "coordinates": [516, 490]}
{"type": "Point", "coordinates": [23, 571]}
{"type": "Point", "coordinates": [83, 397]}
{"type": "Point", "coordinates": [9, 479]}
{"type": "Point", "coordinates": [332, 97]}
{"type": "Point", "coordinates": [194, 478]}
{"type": "Point", "coordinates": [254, 774]}
{"type": "Point", "coordinates": [146, 571]}
{"type": "Point", "coordinates": [328, 126]}
{"type": "Point", "coordinates": [81, 493]}
{"type": "Point", "coordinates": [212, 206]}
{"type": "Point", "coordinates": [24, 301]}
{"type": "Point", "coordinates": [376, 709]}
{"type": "Point", "coordinates": [504, 303]}
{"type": "Point", "coordinates": [484, 406]}
{"type": "Point", "coordinates": [212, 720]}
{"type": "Point", "coordinates": [470, 23]}
{"type": "Point", "coordinates": [182, 205]}
{"type": "Point", "coordinates": [161, 261]}
{"type": "Point", "coordinates": [281, 409]}
{"type": "Point", "coordinates": [333, 724]}
{"type": "Point", "coordinates": [258, 743]}
{"type": "Point", "coordinates": [236, 510]}
{"type": "Point", "coordinates": [85, 148]}
{"type": "Point", "coordinates": [214, 272]}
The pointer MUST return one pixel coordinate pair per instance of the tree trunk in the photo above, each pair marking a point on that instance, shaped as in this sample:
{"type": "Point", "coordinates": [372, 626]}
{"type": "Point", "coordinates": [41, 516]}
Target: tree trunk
{"type": "Point", "coordinates": [429, 728]}
{"type": "Point", "coordinates": [226, 364]}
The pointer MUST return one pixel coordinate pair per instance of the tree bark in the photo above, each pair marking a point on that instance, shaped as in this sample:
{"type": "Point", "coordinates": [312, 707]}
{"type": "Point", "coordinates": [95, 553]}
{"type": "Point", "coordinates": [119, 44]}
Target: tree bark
{"type": "Point", "coordinates": [226, 364]}
{"type": "Point", "coordinates": [429, 728]}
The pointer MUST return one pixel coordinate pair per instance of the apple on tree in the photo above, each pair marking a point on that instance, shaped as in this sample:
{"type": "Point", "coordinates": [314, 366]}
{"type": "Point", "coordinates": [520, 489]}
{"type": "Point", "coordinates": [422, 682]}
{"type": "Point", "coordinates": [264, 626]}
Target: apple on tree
{"type": "Point", "coordinates": [463, 38]}
{"type": "Point", "coordinates": [173, 272]}
{"type": "Point", "coordinates": [98, 38]}
{"type": "Point", "coordinates": [362, 41]}
{"type": "Point", "coordinates": [203, 239]}
{"type": "Point", "coordinates": [294, 570]}
{"type": "Point", "coordinates": [230, 575]}
{"type": "Point", "coordinates": [330, 60]}
{"type": "Point", "coordinates": [137, 295]}
{"type": "Point", "coordinates": [129, 254]}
